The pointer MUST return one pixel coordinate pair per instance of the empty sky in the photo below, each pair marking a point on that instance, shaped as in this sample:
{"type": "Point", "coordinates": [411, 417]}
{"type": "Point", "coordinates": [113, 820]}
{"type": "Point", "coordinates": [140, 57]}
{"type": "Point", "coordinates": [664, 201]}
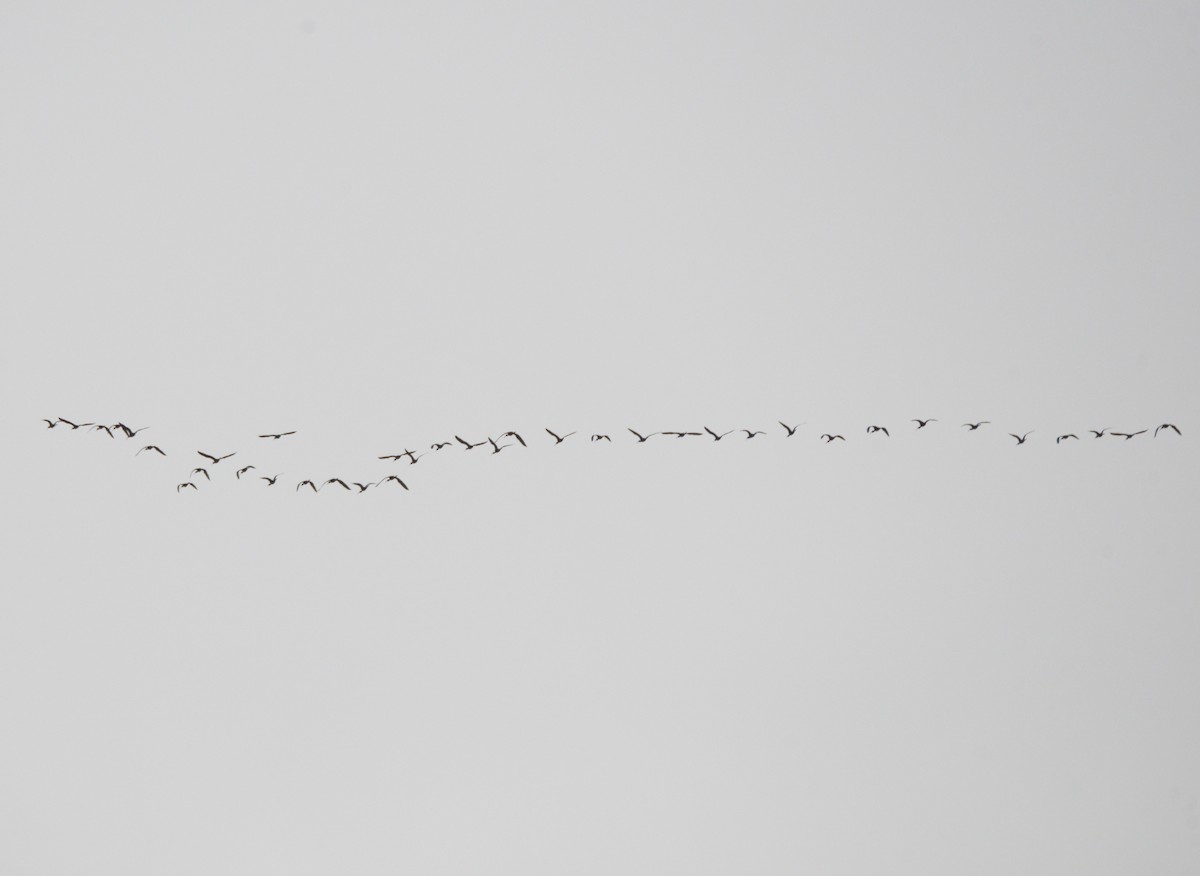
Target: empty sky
{"type": "Point", "coordinates": [384, 224]}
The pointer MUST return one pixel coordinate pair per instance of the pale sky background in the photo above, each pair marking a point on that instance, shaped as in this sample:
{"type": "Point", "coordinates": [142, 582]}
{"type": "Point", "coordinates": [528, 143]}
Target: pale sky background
{"type": "Point", "coordinates": [383, 224]}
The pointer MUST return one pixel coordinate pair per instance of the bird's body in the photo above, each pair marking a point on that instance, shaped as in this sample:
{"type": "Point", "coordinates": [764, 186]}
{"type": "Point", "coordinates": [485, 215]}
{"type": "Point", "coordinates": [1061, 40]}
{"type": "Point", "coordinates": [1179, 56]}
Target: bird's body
{"type": "Point", "coordinates": [883, 429]}
{"type": "Point", "coordinates": [973, 426]}
{"type": "Point", "coordinates": [74, 425]}
{"type": "Point", "coordinates": [153, 447]}
{"type": "Point", "coordinates": [393, 478]}
{"type": "Point", "coordinates": [270, 481]}
{"type": "Point", "coordinates": [243, 470]}
{"type": "Point", "coordinates": [682, 434]}
{"type": "Point", "coordinates": [557, 439]}
{"type": "Point", "coordinates": [50, 424]}
{"type": "Point", "coordinates": [511, 434]}
{"type": "Point", "coordinates": [305, 483]}
{"type": "Point", "coordinates": [496, 448]}
{"type": "Point", "coordinates": [1099, 433]}
{"type": "Point", "coordinates": [468, 444]}
{"type": "Point", "coordinates": [202, 471]}
{"type": "Point", "coordinates": [921, 424]}
{"type": "Point", "coordinates": [184, 485]}
{"type": "Point", "coordinates": [1020, 438]}
{"type": "Point", "coordinates": [100, 426]}
{"type": "Point", "coordinates": [338, 481]}
{"type": "Point", "coordinates": [750, 433]}
{"type": "Point", "coordinates": [277, 435]}
{"type": "Point", "coordinates": [1060, 438]}
{"type": "Point", "coordinates": [1168, 426]}
{"type": "Point", "coordinates": [602, 438]}
{"type": "Point", "coordinates": [642, 439]}
{"type": "Point", "coordinates": [362, 488]}
{"type": "Point", "coordinates": [791, 430]}
{"type": "Point", "coordinates": [1127, 435]}
{"type": "Point", "coordinates": [129, 433]}
{"type": "Point", "coordinates": [215, 459]}
{"type": "Point", "coordinates": [438, 445]}
{"type": "Point", "coordinates": [715, 436]}
{"type": "Point", "coordinates": [829, 439]}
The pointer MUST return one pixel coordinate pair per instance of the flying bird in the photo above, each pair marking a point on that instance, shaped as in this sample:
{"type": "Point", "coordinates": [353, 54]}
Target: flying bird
{"type": "Point", "coordinates": [201, 471]}
{"type": "Point", "coordinates": [439, 445]}
{"type": "Point", "coordinates": [362, 488]}
{"type": "Point", "coordinates": [682, 434]}
{"type": "Point", "coordinates": [242, 471]}
{"type": "Point", "coordinates": [277, 435]}
{"type": "Point", "coordinates": [336, 481]}
{"type": "Point", "coordinates": [882, 429]}
{"type": "Point", "coordinates": [520, 440]}
{"type": "Point", "coordinates": [75, 425]}
{"type": "Point", "coordinates": [791, 430]}
{"type": "Point", "coordinates": [973, 426]}
{"type": "Point", "coordinates": [750, 434]}
{"type": "Point", "coordinates": [921, 424]}
{"type": "Point", "coordinates": [393, 478]}
{"type": "Point", "coordinates": [557, 439]}
{"type": "Point", "coordinates": [642, 439]}
{"type": "Point", "coordinates": [496, 448]}
{"type": "Point", "coordinates": [50, 424]}
{"type": "Point", "coordinates": [1020, 438]}
{"type": "Point", "coordinates": [468, 444]}
{"type": "Point", "coordinates": [98, 427]}
{"type": "Point", "coordinates": [829, 439]}
{"type": "Point", "coordinates": [153, 447]}
{"type": "Point", "coordinates": [179, 487]}
{"type": "Point", "coordinates": [271, 481]}
{"type": "Point", "coordinates": [1127, 435]}
{"type": "Point", "coordinates": [129, 433]}
{"type": "Point", "coordinates": [1168, 426]}
{"type": "Point", "coordinates": [216, 459]}
{"type": "Point", "coordinates": [602, 438]}
{"type": "Point", "coordinates": [304, 483]}
{"type": "Point", "coordinates": [1100, 433]}
{"type": "Point", "coordinates": [715, 436]}
{"type": "Point", "coordinates": [1059, 439]}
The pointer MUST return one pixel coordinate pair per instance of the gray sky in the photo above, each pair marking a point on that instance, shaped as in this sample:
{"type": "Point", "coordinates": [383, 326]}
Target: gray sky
{"type": "Point", "coordinates": [384, 224]}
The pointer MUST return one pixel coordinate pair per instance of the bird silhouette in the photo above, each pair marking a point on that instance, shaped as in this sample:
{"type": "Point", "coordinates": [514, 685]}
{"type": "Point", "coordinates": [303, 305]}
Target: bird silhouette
{"type": "Point", "coordinates": [1099, 433]}
{"type": "Point", "coordinates": [1168, 426]}
{"type": "Point", "coordinates": [153, 447]}
{"type": "Point", "coordinates": [270, 481]}
{"type": "Point", "coordinates": [201, 471]}
{"type": "Point", "coordinates": [973, 426]}
{"type": "Point", "coordinates": [242, 471]}
{"type": "Point", "coordinates": [129, 433]}
{"type": "Point", "coordinates": [559, 440]}
{"type": "Point", "coordinates": [882, 429]}
{"type": "Point", "coordinates": [1127, 435]}
{"type": "Point", "coordinates": [921, 424]}
{"type": "Point", "coordinates": [393, 478]}
{"type": "Point", "coordinates": [362, 488]}
{"type": "Point", "coordinates": [100, 426]}
{"type": "Point", "coordinates": [829, 439]}
{"type": "Point", "coordinates": [715, 436]}
{"type": "Point", "coordinates": [337, 481]}
{"type": "Point", "coordinates": [496, 448]}
{"type": "Point", "coordinates": [50, 424]}
{"type": "Point", "coordinates": [216, 459]}
{"type": "Point", "coordinates": [602, 438]}
{"type": "Point", "coordinates": [74, 425]}
{"type": "Point", "coordinates": [413, 457]}
{"type": "Point", "coordinates": [179, 487]}
{"type": "Point", "coordinates": [520, 440]}
{"type": "Point", "coordinates": [439, 445]}
{"type": "Point", "coordinates": [306, 483]}
{"type": "Point", "coordinates": [642, 439]}
{"type": "Point", "coordinates": [791, 430]}
{"type": "Point", "coordinates": [751, 434]}
{"type": "Point", "coordinates": [468, 444]}
{"type": "Point", "coordinates": [1059, 439]}
{"type": "Point", "coordinates": [1020, 438]}
{"type": "Point", "coordinates": [277, 435]}
{"type": "Point", "coordinates": [682, 434]}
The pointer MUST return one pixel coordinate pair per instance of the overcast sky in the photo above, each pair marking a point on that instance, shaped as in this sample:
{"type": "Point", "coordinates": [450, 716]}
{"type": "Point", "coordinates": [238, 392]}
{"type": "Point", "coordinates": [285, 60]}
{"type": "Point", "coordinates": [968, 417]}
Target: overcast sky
{"type": "Point", "coordinates": [384, 224]}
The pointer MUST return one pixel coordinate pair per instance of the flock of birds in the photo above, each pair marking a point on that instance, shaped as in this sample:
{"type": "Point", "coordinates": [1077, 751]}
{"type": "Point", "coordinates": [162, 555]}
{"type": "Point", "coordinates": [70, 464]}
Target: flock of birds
{"type": "Point", "coordinates": [413, 457]}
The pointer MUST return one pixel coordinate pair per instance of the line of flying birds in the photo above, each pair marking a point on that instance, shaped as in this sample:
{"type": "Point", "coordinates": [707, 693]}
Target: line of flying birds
{"type": "Point", "coordinates": [413, 457]}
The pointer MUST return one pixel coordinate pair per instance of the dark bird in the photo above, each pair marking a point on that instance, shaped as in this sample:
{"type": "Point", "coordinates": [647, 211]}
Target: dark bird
{"type": "Point", "coordinates": [750, 434]}
{"type": "Point", "coordinates": [468, 444]}
{"type": "Point", "coordinates": [201, 471]}
{"type": "Point", "coordinates": [271, 481]}
{"type": "Point", "coordinates": [829, 439]}
{"type": "Point", "coordinates": [882, 429]}
{"type": "Point", "coordinates": [715, 436]}
{"type": "Point", "coordinates": [216, 459]}
{"type": "Point", "coordinates": [362, 488]}
{"type": "Point", "coordinates": [682, 434]}
{"type": "Point", "coordinates": [98, 427]}
{"type": "Point", "coordinates": [602, 438]}
{"type": "Point", "coordinates": [496, 448]}
{"type": "Point", "coordinates": [338, 481]}
{"type": "Point", "coordinates": [557, 439]}
{"type": "Point", "coordinates": [393, 478]}
{"type": "Point", "coordinates": [129, 433]}
{"type": "Point", "coordinates": [277, 435]}
{"type": "Point", "coordinates": [242, 471]}
{"type": "Point", "coordinates": [1020, 438]}
{"type": "Point", "coordinates": [413, 457]}
{"type": "Point", "coordinates": [921, 424]}
{"type": "Point", "coordinates": [1127, 435]}
{"type": "Point", "coordinates": [153, 447]}
{"type": "Point", "coordinates": [1059, 439]}
{"type": "Point", "coordinates": [520, 440]}
{"type": "Point", "coordinates": [305, 483]}
{"type": "Point", "coordinates": [75, 425]}
{"type": "Point", "coordinates": [396, 456]}
{"type": "Point", "coordinates": [440, 444]}
{"type": "Point", "coordinates": [50, 424]}
{"type": "Point", "coordinates": [179, 487]}
{"type": "Point", "coordinates": [973, 426]}
{"type": "Point", "coordinates": [642, 439]}
{"type": "Point", "coordinates": [1100, 433]}
{"type": "Point", "coordinates": [791, 430]}
{"type": "Point", "coordinates": [1168, 426]}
